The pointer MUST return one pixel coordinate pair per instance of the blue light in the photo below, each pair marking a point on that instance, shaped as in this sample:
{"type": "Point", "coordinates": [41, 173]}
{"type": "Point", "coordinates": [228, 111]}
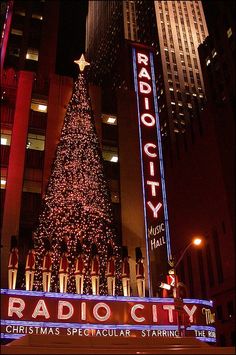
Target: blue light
{"type": "Point", "coordinates": [207, 340]}
{"type": "Point", "coordinates": [101, 326]}
{"type": "Point", "coordinates": [103, 298]}
{"type": "Point", "coordinates": [11, 336]}
{"type": "Point", "coordinates": [142, 169]}
{"type": "Point", "coordinates": [160, 158]}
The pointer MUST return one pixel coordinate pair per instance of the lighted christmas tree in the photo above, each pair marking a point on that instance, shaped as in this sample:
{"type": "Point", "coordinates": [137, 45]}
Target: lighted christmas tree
{"type": "Point", "coordinates": [77, 203]}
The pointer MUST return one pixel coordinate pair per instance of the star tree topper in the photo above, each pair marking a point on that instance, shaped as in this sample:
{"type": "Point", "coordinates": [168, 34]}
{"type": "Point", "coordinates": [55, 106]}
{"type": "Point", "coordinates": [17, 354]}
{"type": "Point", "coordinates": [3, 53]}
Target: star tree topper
{"type": "Point", "coordinates": [81, 63]}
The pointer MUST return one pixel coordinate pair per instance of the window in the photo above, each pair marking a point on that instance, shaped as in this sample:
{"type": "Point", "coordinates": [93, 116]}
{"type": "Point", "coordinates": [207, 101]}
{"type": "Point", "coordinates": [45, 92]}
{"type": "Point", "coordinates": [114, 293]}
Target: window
{"type": "Point", "coordinates": [37, 17]}
{"type": "Point", "coordinates": [20, 12]}
{"type": "Point", "coordinates": [214, 53]}
{"type": "Point", "coordinates": [32, 54]}
{"type": "Point", "coordinates": [229, 32]}
{"type": "Point", "coordinates": [110, 154]}
{"type": "Point", "coordinates": [109, 119]}
{"type": "Point", "coordinates": [5, 137]}
{"type": "Point", "coordinates": [16, 32]}
{"type": "Point", "coordinates": [39, 105]}
{"type": "Point", "coordinates": [3, 178]}
{"type": "Point", "coordinates": [35, 141]}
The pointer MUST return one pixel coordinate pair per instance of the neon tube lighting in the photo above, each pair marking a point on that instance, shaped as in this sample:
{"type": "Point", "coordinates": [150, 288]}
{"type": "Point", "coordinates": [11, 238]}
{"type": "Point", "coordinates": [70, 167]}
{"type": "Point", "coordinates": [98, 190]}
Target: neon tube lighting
{"type": "Point", "coordinates": [160, 157]}
{"type": "Point", "coordinates": [103, 298]}
{"type": "Point", "coordinates": [142, 169]}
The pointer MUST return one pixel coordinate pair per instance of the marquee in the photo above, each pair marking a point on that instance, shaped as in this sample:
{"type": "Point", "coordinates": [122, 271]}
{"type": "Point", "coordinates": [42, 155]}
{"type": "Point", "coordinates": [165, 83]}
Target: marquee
{"type": "Point", "coordinates": [32, 312]}
{"type": "Point", "coordinates": [153, 180]}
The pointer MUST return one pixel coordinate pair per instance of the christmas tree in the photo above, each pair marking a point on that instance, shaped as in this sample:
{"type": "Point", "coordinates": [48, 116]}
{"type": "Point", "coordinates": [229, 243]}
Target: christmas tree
{"type": "Point", "coordinates": [77, 205]}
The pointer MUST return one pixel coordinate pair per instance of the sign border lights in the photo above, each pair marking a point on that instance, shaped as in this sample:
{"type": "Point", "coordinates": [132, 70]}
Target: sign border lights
{"type": "Point", "coordinates": [157, 233]}
{"type": "Point", "coordinates": [32, 312]}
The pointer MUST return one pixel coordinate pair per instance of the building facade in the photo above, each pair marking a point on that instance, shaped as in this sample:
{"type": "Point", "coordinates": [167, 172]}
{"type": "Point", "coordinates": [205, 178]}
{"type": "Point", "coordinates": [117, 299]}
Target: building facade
{"type": "Point", "coordinates": [196, 156]}
{"type": "Point", "coordinates": [33, 106]}
{"type": "Point", "coordinates": [32, 99]}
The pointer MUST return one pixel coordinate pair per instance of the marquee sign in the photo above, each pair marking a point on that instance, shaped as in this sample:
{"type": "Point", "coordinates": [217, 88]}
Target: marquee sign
{"type": "Point", "coordinates": [31, 312]}
{"type": "Point", "coordinates": [154, 195]}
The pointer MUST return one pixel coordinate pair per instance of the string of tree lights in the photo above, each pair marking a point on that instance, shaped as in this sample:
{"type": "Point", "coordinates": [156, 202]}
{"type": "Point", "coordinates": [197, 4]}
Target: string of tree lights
{"type": "Point", "coordinates": [77, 204]}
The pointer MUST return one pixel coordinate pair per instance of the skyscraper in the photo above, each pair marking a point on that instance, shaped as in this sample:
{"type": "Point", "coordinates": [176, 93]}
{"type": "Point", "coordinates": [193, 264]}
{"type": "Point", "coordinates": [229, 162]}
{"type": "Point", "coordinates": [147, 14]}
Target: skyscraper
{"type": "Point", "coordinates": [174, 29]}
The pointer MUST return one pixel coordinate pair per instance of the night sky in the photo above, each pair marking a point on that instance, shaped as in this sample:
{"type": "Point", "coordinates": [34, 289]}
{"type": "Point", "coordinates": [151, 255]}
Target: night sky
{"type": "Point", "coordinates": [71, 35]}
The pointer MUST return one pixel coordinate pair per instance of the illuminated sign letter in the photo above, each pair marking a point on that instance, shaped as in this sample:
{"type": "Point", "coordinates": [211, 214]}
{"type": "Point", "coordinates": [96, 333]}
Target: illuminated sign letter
{"type": "Point", "coordinates": [154, 313]}
{"type": "Point", "coordinates": [144, 74]}
{"type": "Point", "coordinates": [41, 310]}
{"type": "Point", "coordinates": [83, 311]}
{"type": "Point", "coordinates": [190, 312]}
{"type": "Point", "coordinates": [152, 167]}
{"type": "Point", "coordinates": [153, 185]}
{"type": "Point", "coordinates": [61, 305]}
{"type": "Point", "coordinates": [144, 88]}
{"type": "Point", "coordinates": [147, 151]}
{"type": "Point", "coordinates": [106, 307]}
{"type": "Point", "coordinates": [147, 122]}
{"type": "Point", "coordinates": [169, 308]}
{"type": "Point", "coordinates": [154, 209]}
{"type": "Point", "coordinates": [133, 314]}
{"type": "Point", "coordinates": [12, 308]}
{"type": "Point", "coordinates": [146, 102]}
{"type": "Point", "coordinates": [142, 58]}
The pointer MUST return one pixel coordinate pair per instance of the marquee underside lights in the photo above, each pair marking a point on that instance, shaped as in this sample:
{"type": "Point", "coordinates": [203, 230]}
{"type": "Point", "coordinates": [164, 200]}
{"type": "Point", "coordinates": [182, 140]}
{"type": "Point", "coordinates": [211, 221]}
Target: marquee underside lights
{"type": "Point", "coordinates": [32, 312]}
{"type": "Point", "coordinates": [154, 195]}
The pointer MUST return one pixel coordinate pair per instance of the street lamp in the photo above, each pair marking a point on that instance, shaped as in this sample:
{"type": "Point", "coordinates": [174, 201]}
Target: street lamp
{"type": "Point", "coordinates": [196, 241]}
{"type": "Point", "coordinates": [178, 302]}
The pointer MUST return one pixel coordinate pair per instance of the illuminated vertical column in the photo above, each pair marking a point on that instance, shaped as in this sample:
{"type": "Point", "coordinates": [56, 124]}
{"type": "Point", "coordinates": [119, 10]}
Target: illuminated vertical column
{"type": "Point", "coordinates": [6, 29]}
{"type": "Point", "coordinates": [15, 172]}
{"type": "Point", "coordinates": [153, 181]}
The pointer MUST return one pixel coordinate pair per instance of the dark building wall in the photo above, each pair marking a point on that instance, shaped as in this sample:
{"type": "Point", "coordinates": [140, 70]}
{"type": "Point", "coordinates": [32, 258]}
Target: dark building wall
{"type": "Point", "coordinates": [198, 206]}
{"type": "Point", "coordinates": [217, 55]}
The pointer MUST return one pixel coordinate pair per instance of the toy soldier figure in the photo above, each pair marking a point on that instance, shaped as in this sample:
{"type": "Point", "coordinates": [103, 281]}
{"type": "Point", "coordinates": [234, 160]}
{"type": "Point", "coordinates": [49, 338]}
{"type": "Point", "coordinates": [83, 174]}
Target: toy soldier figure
{"type": "Point", "coordinates": [64, 268]}
{"type": "Point", "coordinates": [79, 270]}
{"type": "Point", "coordinates": [110, 271]}
{"type": "Point", "coordinates": [140, 275]}
{"type": "Point", "coordinates": [13, 264]}
{"type": "Point", "coordinates": [47, 266]}
{"type": "Point", "coordinates": [95, 270]}
{"type": "Point", "coordinates": [30, 268]}
{"type": "Point", "coordinates": [172, 281]}
{"type": "Point", "coordinates": [125, 272]}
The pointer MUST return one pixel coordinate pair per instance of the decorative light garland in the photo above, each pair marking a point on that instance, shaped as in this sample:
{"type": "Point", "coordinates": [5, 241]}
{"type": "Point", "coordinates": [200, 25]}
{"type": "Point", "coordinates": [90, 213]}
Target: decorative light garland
{"type": "Point", "coordinates": [77, 203]}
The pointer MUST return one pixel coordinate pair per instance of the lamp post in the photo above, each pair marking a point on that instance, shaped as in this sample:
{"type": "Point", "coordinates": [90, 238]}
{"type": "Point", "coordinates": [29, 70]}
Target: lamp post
{"type": "Point", "coordinates": [178, 304]}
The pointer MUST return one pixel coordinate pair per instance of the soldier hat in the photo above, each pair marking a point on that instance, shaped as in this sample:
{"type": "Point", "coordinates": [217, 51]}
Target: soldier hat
{"type": "Point", "coordinates": [13, 241]}
{"type": "Point", "coordinates": [138, 254]}
{"type": "Point", "coordinates": [124, 252]}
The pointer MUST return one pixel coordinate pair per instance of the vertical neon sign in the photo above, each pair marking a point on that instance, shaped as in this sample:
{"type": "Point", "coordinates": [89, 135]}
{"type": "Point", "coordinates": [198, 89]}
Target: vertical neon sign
{"type": "Point", "coordinates": [153, 181]}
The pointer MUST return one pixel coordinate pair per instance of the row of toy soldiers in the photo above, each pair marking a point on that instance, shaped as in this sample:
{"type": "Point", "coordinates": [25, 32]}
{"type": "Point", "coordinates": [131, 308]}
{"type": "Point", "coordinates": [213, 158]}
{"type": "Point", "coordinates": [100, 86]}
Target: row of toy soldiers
{"type": "Point", "coordinates": [79, 271]}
